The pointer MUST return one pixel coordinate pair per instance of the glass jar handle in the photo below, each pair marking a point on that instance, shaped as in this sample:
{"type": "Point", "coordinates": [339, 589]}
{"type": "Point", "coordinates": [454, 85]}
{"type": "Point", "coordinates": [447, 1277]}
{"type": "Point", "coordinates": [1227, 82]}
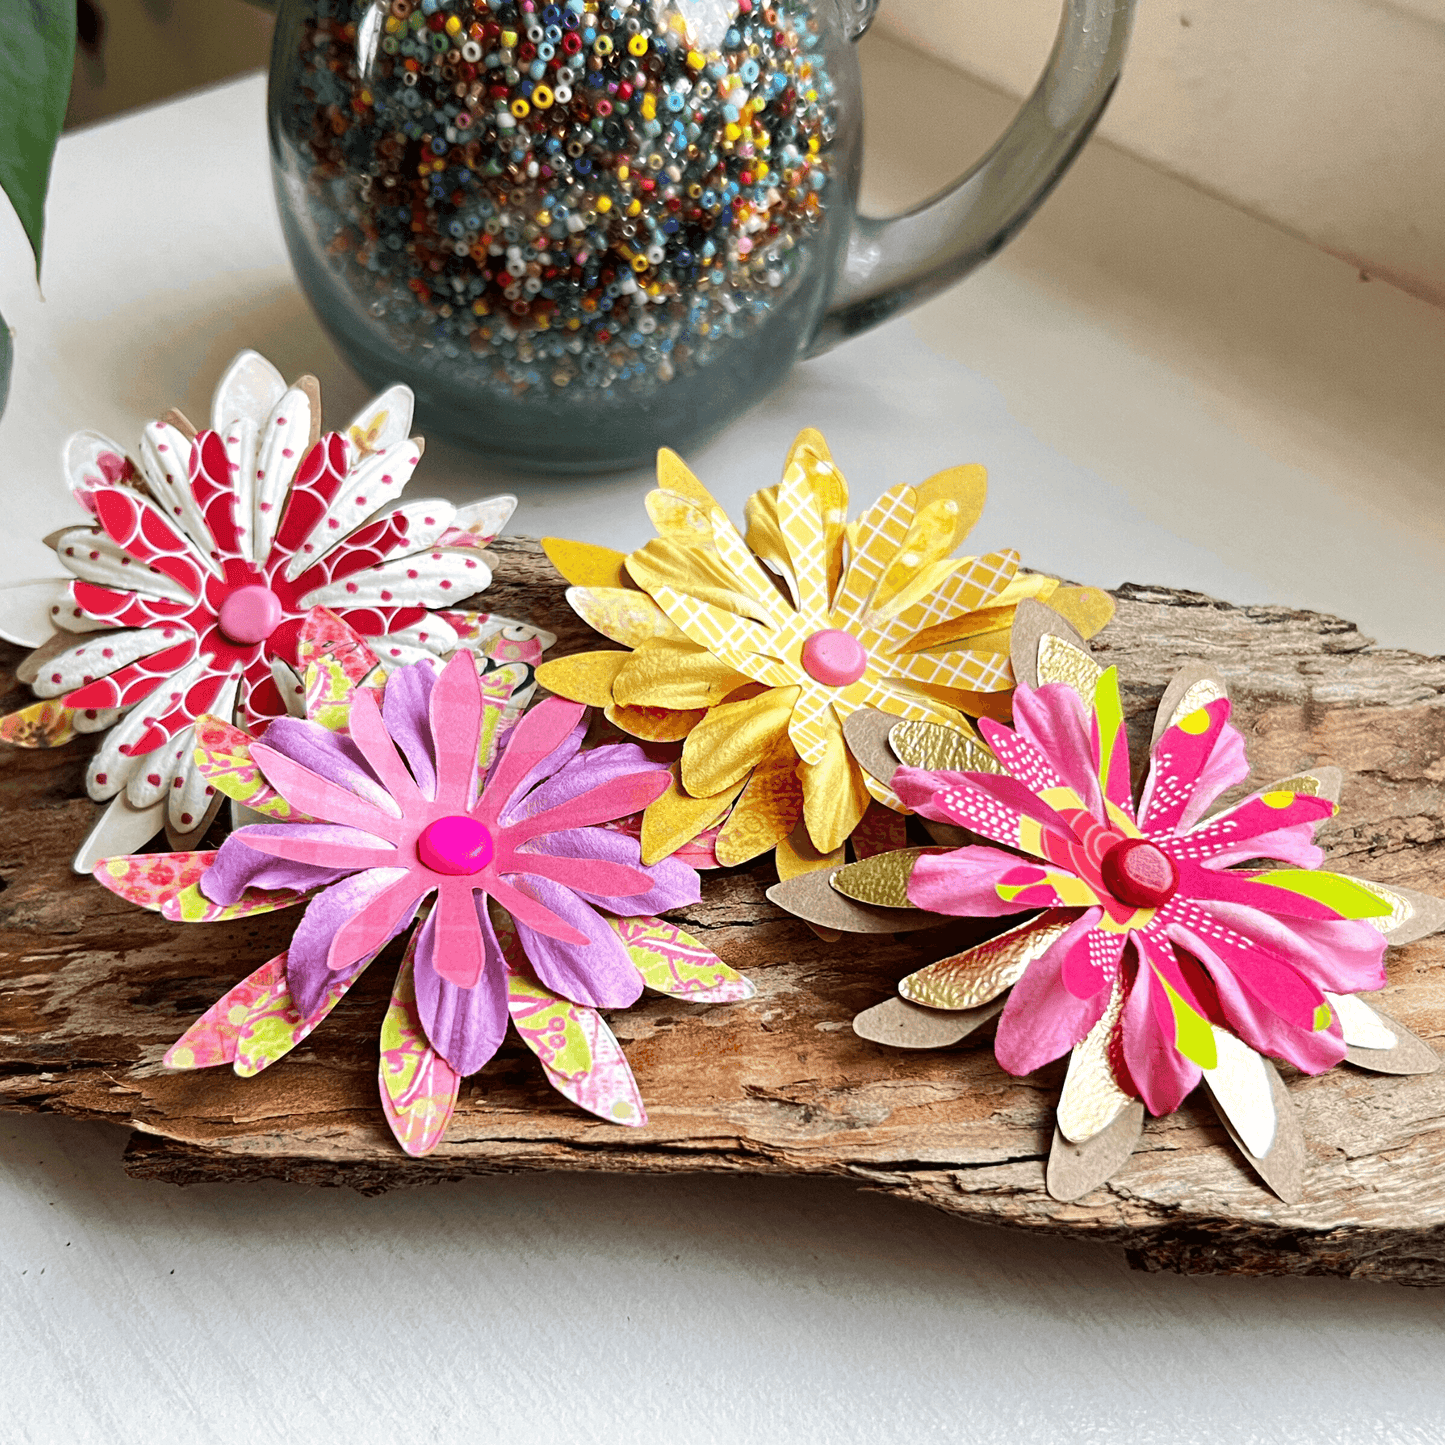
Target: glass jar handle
{"type": "Point", "coordinates": [899, 261]}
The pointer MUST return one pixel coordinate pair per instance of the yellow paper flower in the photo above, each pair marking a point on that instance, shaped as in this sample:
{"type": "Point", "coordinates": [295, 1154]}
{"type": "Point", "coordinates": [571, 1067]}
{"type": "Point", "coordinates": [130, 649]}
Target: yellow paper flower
{"type": "Point", "coordinates": [754, 649]}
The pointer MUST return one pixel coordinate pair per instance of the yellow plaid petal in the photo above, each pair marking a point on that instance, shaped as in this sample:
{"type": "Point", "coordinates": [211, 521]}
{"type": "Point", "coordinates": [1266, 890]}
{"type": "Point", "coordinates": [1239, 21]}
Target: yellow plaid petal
{"type": "Point", "coordinates": [873, 542]}
{"type": "Point", "coordinates": [744, 646]}
{"type": "Point", "coordinates": [800, 516]}
{"type": "Point", "coordinates": [976, 671]}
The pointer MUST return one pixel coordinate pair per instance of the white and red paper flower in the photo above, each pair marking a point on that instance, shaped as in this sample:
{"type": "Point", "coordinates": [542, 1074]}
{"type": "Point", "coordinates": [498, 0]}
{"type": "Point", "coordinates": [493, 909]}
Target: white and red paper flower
{"type": "Point", "coordinates": [190, 581]}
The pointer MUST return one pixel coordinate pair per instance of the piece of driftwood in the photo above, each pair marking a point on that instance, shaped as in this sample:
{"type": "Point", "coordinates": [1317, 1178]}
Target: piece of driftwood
{"type": "Point", "coordinates": [93, 990]}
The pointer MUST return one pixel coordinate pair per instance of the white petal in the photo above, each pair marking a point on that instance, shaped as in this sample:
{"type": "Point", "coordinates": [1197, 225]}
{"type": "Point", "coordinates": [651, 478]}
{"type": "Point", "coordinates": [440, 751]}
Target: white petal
{"type": "Point", "coordinates": [392, 654]}
{"type": "Point", "coordinates": [165, 454]}
{"type": "Point", "coordinates": [369, 486]}
{"type": "Point", "coordinates": [432, 633]}
{"type": "Point", "coordinates": [26, 610]}
{"type": "Point", "coordinates": [248, 391]}
{"type": "Point", "coordinates": [70, 616]}
{"type": "Point", "coordinates": [242, 440]}
{"type": "Point", "coordinates": [285, 439]}
{"type": "Point", "coordinates": [183, 841]}
{"type": "Point", "coordinates": [98, 656]}
{"type": "Point", "coordinates": [485, 519]}
{"type": "Point", "coordinates": [122, 829]}
{"type": "Point", "coordinates": [151, 782]}
{"type": "Point", "coordinates": [1363, 1027]}
{"type": "Point", "coordinates": [96, 719]}
{"type": "Point", "coordinates": [442, 579]}
{"type": "Point", "coordinates": [82, 462]}
{"type": "Point", "coordinates": [1241, 1084]}
{"type": "Point", "coordinates": [93, 557]}
{"type": "Point", "coordinates": [188, 803]}
{"type": "Point", "coordinates": [290, 686]}
{"type": "Point", "coordinates": [118, 769]}
{"type": "Point", "coordinates": [383, 421]}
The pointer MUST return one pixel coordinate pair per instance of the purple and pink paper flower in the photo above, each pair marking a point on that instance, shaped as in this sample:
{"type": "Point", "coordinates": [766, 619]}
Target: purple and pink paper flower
{"type": "Point", "coordinates": [406, 800]}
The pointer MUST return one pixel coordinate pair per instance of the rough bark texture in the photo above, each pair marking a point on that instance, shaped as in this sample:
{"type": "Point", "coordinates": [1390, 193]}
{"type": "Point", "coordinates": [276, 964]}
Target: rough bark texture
{"type": "Point", "coordinates": [93, 990]}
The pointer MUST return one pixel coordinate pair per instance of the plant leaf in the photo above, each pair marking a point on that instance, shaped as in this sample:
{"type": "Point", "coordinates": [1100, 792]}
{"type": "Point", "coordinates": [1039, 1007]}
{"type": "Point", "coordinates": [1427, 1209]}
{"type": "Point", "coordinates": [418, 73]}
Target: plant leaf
{"type": "Point", "coordinates": [36, 62]}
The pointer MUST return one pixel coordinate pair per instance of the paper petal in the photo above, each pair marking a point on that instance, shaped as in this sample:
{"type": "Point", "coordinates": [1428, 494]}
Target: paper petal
{"type": "Point", "coordinates": [190, 905]}
{"type": "Point", "coordinates": [1242, 1092]}
{"type": "Point", "coordinates": [122, 828]}
{"type": "Point", "coordinates": [1033, 622]}
{"type": "Point", "coordinates": [418, 1087]}
{"type": "Point", "coordinates": [274, 1025]}
{"type": "Point", "coordinates": [1410, 1054]}
{"type": "Point", "coordinates": [903, 1025]}
{"type": "Point", "coordinates": [1283, 1167]}
{"type": "Point", "coordinates": [577, 1051]}
{"type": "Point", "coordinates": [148, 879]}
{"type": "Point", "coordinates": [27, 610]}
{"type": "Point", "coordinates": [1075, 1170]}
{"type": "Point", "coordinates": [211, 1040]}
{"type": "Point", "coordinates": [866, 731]}
{"type": "Point", "coordinates": [812, 897]}
{"type": "Point", "coordinates": [672, 961]}
{"type": "Point", "coordinates": [978, 974]}
{"type": "Point", "coordinates": [584, 677]}
{"type": "Point", "coordinates": [48, 724]}
{"type": "Point", "coordinates": [1092, 1099]}
{"type": "Point", "coordinates": [585, 565]}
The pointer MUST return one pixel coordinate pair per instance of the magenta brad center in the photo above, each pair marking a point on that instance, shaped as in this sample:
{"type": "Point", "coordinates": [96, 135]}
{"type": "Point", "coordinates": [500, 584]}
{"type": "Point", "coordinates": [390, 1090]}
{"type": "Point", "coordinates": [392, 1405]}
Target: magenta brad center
{"type": "Point", "coordinates": [250, 614]}
{"type": "Point", "coordinates": [1139, 874]}
{"type": "Point", "coordinates": [834, 658]}
{"type": "Point", "coordinates": [457, 845]}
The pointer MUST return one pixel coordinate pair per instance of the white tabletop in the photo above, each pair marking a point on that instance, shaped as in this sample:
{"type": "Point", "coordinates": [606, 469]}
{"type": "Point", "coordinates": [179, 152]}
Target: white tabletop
{"type": "Point", "coordinates": [1164, 391]}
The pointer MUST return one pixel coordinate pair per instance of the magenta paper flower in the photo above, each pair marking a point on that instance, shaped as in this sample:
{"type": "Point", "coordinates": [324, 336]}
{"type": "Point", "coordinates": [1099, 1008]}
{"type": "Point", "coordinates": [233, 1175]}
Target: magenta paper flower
{"type": "Point", "coordinates": [1166, 952]}
{"type": "Point", "coordinates": [191, 579]}
{"type": "Point", "coordinates": [408, 800]}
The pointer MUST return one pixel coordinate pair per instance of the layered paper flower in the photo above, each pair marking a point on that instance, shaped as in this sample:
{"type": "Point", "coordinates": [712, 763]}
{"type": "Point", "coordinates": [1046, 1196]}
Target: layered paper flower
{"type": "Point", "coordinates": [755, 648]}
{"type": "Point", "coordinates": [406, 797]}
{"type": "Point", "coordinates": [189, 584]}
{"type": "Point", "coordinates": [1168, 950]}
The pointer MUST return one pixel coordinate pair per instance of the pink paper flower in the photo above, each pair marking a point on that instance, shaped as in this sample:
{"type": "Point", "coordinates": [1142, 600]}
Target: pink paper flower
{"type": "Point", "coordinates": [533, 909]}
{"type": "Point", "coordinates": [191, 580]}
{"type": "Point", "coordinates": [1149, 907]}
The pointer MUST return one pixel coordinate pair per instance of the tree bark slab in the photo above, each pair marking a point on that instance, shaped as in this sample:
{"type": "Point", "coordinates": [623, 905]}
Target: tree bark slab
{"type": "Point", "coordinates": [93, 991]}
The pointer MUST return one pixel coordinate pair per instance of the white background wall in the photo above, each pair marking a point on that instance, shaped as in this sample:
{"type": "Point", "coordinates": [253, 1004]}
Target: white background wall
{"type": "Point", "coordinates": [1326, 117]}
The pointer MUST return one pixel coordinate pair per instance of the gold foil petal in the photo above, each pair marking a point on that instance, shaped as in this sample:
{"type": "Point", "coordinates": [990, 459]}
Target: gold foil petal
{"type": "Point", "coordinates": [1092, 1099]}
{"type": "Point", "coordinates": [967, 488]}
{"type": "Point", "coordinates": [1061, 661]}
{"type": "Point", "coordinates": [939, 749]}
{"type": "Point", "coordinates": [971, 978]}
{"type": "Point", "coordinates": [881, 880]}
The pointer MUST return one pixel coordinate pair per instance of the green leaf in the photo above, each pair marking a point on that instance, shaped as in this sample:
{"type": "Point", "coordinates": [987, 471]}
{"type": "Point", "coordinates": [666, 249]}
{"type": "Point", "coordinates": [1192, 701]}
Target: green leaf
{"type": "Point", "coordinates": [37, 57]}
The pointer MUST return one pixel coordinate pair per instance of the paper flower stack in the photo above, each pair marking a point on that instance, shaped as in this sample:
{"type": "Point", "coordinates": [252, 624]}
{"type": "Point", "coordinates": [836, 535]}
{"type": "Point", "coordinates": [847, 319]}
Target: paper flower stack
{"type": "Point", "coordinates": [1160, 950]}
{"type": "Point", "coordinates": [190, 581]}
{"type": "Point", "coordinates": [406, 796]}
{"type": "Point", "coordinates": [250, 617]}
{"type": "Point", "coordinates": [754, 649]}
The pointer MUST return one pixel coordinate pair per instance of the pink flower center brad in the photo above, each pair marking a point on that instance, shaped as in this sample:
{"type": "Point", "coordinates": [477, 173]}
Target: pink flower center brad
{"type": "Point", "coordinates": [1137, 873]}
{"type": "Point", "coordinates": [250, 614]}
{"type": "Point", "coordinates": [834, 658]}
{"type": "Point", "coordinates": [456, 845]}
